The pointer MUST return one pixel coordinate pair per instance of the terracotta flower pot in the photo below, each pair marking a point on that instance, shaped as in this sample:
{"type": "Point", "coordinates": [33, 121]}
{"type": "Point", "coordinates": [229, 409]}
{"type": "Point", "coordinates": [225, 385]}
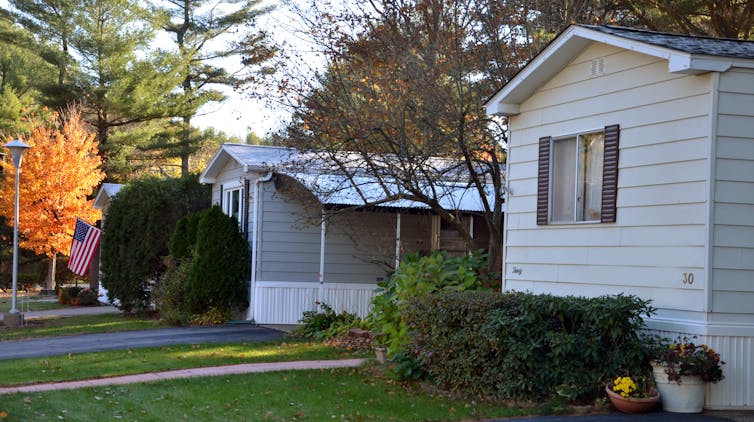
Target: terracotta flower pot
{"type": "Point", "coordinates": [630, 404]}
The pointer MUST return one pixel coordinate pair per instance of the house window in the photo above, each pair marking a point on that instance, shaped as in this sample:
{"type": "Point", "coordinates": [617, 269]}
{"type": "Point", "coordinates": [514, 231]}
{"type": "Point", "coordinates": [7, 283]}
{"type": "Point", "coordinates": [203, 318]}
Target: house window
{"type": "Point", "coordinates": [233, 204]}
{"type": "Point", "coordinates": [576, 189]}
{"type": "Point", "coordinates": [578, 177]}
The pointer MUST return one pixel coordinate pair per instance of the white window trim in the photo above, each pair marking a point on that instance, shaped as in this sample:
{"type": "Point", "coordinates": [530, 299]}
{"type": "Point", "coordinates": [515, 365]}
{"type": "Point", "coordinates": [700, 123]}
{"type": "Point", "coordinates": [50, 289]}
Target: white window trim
{"type": "Point", "coordinates": [550, 189]}
{"type": "Point", "coordinates": [227, 191]}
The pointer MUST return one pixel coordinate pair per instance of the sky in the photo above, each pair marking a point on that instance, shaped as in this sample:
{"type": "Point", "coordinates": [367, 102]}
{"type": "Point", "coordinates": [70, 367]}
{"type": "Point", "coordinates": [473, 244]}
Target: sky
{"type": "Point", "coordinates": [240, 114]}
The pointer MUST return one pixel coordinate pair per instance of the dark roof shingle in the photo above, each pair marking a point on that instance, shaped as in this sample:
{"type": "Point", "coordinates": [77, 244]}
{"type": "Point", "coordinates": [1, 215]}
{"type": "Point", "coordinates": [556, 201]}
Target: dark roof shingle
{"type": "Point", "coordinates": [722, 47]}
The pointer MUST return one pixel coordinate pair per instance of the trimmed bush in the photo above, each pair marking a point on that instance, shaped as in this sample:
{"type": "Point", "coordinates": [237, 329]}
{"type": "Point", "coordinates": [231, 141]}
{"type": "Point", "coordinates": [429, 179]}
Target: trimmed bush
{"type": "Point", "coordinates": [217, 278]}
{"type": "Point", "coordinates": [529, 347]}
{"type": "Point", "coordinates": [450, 346]}
{"type": "Point", "coordinates": [87, 297]}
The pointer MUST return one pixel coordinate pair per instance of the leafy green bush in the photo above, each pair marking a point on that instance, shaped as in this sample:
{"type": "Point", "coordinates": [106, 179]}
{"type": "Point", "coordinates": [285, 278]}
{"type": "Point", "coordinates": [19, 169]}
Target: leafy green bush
{"type": "Point", "coordinates": [69, 294]}
{"type": "Point", "coordinates": [87, 297]}
{"type": "Point", "coordinates": [140, 220]}
{"type": "Point", "coordinates": [218, 275]}
{"type": "Point", "coordinates": [417, 276]}
{"type": "Point", "coordinates": [213, 316]}
{"type": "Point", "coordinates": [529, 347]}
{"type": "Point", "coordinates": [327, 324]}
{"type": "Point", "coordinates": [169, 291]}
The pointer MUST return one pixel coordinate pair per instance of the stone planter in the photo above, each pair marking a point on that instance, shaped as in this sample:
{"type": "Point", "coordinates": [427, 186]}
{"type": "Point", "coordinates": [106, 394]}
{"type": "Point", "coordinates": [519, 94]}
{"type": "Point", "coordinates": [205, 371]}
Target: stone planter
{"type": "Point", "coordinates": [632, 405]}
{"type": "Point", "coordinates": [686, 396]}
{"type": "Point", "coordinates": [380, 353]}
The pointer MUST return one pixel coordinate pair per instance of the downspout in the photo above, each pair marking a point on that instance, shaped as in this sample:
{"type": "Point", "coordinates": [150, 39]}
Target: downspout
{"type": "Point", "coordinates": [397, 240]}
{"type": "Point", "coordinates": [254, 235]}
{"type": "Point", "coordinates": [711, 185]}
{"type": "Point", "coordinates": [323, 232]}
{"type": "Point", "coordinates": [506, 194]}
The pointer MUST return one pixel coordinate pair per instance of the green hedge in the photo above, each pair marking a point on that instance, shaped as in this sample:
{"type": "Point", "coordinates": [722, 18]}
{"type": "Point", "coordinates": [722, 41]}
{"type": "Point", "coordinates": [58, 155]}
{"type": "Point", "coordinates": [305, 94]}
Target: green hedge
{"type": "Point", "coordinates": [528, 347]}
{"type": "Point", "coordinates": [140, 221]}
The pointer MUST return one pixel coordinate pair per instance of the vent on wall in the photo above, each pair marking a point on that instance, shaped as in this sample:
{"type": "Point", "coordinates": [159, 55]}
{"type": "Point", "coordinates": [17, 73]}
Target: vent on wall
{"type": "Point", "coordinates": [598, 67]}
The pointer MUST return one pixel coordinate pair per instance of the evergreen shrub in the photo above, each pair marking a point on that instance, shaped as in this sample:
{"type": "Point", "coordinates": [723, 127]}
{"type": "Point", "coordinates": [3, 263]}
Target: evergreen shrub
{"type": "Point", "coordinates": [530, 347]}
{"type": "Point", "coordinates": [140, 221]}
{"type": "Point", "coordinates": [183, 239]}
{"type": "Point", "coordinates": [217, 278]}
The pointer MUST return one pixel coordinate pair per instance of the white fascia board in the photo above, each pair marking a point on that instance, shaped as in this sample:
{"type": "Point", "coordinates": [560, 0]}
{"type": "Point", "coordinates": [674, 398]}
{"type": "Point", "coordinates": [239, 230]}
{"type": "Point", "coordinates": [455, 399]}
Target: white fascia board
{"type": "Point", "coordinates": [538, 71]}
{"type": "Point", "coordinates": [219, 160]}
{"type": "Point", "coordinates": [101, 199]}
{"type": "Point", "coordinates": [209, 174]}
{"type": "Point", "coordinates": [693, 64]}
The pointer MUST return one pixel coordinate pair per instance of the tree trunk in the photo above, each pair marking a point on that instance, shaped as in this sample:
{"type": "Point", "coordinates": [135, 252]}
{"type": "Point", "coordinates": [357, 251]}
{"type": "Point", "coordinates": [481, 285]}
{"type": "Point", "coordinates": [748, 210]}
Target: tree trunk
{"type": "Point", "coordinates": [185, 145]}
{"type": "Point", "coordinates": [50, 282]}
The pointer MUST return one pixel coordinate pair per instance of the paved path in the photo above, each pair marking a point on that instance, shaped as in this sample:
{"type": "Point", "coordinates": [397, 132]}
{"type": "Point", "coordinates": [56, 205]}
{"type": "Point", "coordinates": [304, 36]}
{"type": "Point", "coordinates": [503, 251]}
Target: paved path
{"type": "Point", "coordinates": [73, 311]}
{"type": "Point", "coordinates": [244, 368]}
{"type": "Point", "coordinates": [49, 346]}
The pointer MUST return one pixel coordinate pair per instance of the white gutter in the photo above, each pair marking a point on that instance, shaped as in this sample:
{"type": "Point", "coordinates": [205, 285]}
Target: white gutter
{"type": "Point", "coordinates": [254, 234]}
{"type": "Point", "coordinates": [397, 240]}
{"type": "Point", "coordinates": [323, 232]}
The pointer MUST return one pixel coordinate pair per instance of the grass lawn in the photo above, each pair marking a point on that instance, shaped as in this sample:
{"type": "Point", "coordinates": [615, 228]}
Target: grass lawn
{"type": "Point", "coordinates": [135, 361]}
{"type": "Point", "coordinates": [85, 324]}
{"type": "Point", "coordinates": [362, 394]}
{"type": "Point", "coordinates": [30, 303]}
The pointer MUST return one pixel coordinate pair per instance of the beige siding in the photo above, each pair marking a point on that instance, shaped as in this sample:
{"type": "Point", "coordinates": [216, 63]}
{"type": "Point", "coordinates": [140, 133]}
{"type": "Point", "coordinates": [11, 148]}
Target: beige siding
{"type": "Point", "coordinates": [660, 232]}
{"type": "Point", "coordinates": [733, 232]}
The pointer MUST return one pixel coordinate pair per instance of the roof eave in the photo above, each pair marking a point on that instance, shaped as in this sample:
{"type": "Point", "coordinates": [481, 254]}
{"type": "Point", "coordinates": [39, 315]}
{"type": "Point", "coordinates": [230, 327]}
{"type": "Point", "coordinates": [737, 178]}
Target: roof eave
{"type": "Point", "coordinates": [218, 162]}
{"type": "Point", "coordinates": [565, 47]}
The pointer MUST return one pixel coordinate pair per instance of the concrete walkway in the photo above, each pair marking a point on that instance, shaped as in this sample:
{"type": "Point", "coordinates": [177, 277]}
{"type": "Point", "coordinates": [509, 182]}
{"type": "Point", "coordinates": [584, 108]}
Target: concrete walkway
{"type": "Point", "coordinates": [244, 368]}
{"type": "Point", "coordinates": [66, 312]}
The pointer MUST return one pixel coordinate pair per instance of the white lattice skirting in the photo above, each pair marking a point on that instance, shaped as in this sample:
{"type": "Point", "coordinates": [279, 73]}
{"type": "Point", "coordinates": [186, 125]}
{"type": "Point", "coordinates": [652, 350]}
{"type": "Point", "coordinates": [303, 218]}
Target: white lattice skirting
{"type": "Point", "coordinates": [280, 302]}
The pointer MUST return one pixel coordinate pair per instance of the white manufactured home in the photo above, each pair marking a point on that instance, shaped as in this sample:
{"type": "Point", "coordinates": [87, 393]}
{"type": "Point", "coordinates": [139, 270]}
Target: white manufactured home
{"type": "Point", "coordinates": [311, 237]}
{"type": "Point", "coordinates": [631, 170]}
{"type": "Point", "coordinates": [102, 201]}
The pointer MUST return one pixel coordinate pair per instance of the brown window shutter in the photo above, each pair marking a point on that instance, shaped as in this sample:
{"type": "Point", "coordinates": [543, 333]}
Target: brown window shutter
{"type": "Point", "coordinates": [610, 174]}
{"type": "Point", "coordinates": [543, 181]}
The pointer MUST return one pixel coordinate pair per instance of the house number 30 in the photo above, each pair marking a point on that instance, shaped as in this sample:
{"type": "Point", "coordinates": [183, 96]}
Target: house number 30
{"type": "Point", "coordinates": [688, 278]}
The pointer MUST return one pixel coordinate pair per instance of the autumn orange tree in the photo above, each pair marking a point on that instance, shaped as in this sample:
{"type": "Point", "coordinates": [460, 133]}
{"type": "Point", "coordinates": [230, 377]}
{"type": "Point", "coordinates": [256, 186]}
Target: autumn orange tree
{"type": "Point", "coordinates": [58, 173]}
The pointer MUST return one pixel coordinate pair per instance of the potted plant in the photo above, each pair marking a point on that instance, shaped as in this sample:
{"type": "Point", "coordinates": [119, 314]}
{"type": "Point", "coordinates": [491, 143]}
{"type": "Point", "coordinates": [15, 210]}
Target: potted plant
{"type": "Point", "coordinates": [633, 394]}
{"type": "Point", "coordinates": [682, 371]}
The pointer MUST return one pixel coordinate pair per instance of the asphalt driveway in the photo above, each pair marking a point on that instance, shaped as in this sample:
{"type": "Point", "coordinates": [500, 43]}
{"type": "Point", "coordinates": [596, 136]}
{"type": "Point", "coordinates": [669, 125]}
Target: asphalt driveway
{"type": "Point", "coordinates": [50, 346]}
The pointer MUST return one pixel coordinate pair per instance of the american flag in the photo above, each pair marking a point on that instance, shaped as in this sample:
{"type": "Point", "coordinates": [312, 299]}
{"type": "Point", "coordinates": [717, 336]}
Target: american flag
{"type": "Point", "coordinates": [85, 241]}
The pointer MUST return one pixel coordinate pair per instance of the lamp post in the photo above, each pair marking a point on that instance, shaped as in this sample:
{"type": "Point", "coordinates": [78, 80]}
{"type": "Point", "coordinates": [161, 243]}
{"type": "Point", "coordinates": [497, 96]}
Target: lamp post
{"type": "Point", "coordinates": [17, 149]}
